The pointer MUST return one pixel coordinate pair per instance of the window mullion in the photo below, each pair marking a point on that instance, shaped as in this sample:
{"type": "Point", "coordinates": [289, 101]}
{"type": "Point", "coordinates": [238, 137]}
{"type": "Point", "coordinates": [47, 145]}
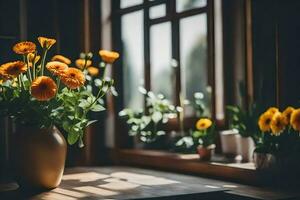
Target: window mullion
{"type": "Point", "coordinates": [147, 71]}
{"type": "Point", "coordinates": [175, 50]}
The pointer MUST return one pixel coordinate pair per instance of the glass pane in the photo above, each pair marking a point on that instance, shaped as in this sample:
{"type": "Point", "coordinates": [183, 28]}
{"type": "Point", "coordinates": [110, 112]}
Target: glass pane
{"type": "Point", "coordinates": [193, 57]}
{"type": "Point", "coordinates": [128, 3]}
{"type": "Point", "coordinates": [133, 58]}
{"type": "Point", "coordinates": [182, 5]}
{"type": "Point", "coordinates": [157, 11]}
{"type": "Point", "coordinates": [161, 55]}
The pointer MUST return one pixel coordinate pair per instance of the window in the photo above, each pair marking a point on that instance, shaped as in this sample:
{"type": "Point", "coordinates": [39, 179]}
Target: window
{"type": "Point", "coordinates": [166, 48]}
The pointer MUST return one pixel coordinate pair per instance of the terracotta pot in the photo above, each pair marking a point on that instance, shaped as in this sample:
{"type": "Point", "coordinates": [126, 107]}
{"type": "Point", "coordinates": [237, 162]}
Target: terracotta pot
{"type": "Point", "coordinates": [206, 153]}
{"type": "Point", "coordinates": [40, 157]}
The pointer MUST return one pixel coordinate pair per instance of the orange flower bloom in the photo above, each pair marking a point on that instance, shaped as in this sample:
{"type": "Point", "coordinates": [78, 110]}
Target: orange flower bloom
{"type": "Point", "coordinates": [272, 110]}
{"type": "Point", "coordinates": [43, 88]}
{"type": "Point", "coordinates": [56, 67]}
{"type": "Point", "coordinates": [287, 114]}
{"type": "Point", "coordinates": [264, 121]}
{"type": "Point", "coordinates": [295, 120]}
{"type": "Point", "coordinates": [203, 124]}
{"type": "Point", "coordinates": [277, 124]}
{"type": "Point", "coordinates": [3, 75]}
{"type": "Point", "coordinates": [81, 62]}
{"type": "Point", "coordinates": [13, 69]}
{"type": "Point", "coordinates": [108, 56]}
{"type": "Point", "coordinates": [73, 78]}
{"type": "Point", "coordinates": [32, 56]}
{"type": "Point", "coordinates": [93, 71]}
{"type": "Point", "coordinates": [24, 48]}
{"type": "Point", "coordinates": [62, 59]}
{"type": "Point", "coordinates": [46, 42]}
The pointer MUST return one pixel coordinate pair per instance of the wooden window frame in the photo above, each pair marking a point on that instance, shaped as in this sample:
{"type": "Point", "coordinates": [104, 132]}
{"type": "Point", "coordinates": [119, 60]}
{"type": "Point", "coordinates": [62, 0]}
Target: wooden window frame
{"type": "Point", "coordinates": [174, 18]}
{"type": "Point", "coordinates": [122, 152]}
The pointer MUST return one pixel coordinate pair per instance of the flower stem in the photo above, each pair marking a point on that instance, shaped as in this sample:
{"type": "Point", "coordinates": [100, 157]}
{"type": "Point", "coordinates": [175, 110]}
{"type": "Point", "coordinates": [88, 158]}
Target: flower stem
{"type": "Point", "coordinates": [104, 71]}
{"type": "Point", "coordinates": [33, 67]}
{"type": "Point", "coordinates": [28, 69]}
{"type": "Point", "coordinates": [43, 62]}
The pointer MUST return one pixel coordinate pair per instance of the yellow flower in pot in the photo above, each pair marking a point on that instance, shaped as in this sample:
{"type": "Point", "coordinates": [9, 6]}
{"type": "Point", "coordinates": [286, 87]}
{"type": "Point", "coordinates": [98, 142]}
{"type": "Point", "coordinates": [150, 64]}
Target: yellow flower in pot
{"type": "Point", "coordinates": [280, 133]}
{"type": "Point", "coordinates": [204, 135]}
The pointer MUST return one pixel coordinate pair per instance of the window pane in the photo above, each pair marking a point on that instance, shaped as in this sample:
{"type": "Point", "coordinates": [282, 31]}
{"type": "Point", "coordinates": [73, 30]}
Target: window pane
{"type": "Point", "coordinates": [157, 11]}
{"type": "Point", "coordinates": [160, 51]}
{"type": "Point", "coordinates": [128, 3]}
{"type": "Point", "coordinates": [182, 5]}
{"type": "Point", "coordinates": [133, 58]}
{"type": "Point", "coordinates": [193, 57]}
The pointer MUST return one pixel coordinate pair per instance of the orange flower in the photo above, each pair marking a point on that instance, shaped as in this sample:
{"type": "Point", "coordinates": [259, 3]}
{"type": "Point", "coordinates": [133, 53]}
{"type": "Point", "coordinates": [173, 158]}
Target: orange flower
{"type": "Point", "coordinates": [46, 42]}
{"type": "Point", "coordinates": [3, 75]}
{"type": "Point", "coordinates": [203, 124]}
{"type": "Point", "coordinates": [295, 120]}
{"type": "Point", "coordinates": [43, 88]}
{"type": "Point", "coordinates": [56, 67]}
{"type": "Point", "coordinates": [277, 124]}
{"type": "Point", "coordinates": [287, 114]}
{"type": "Point", "coordinates": [272, 110]}
{"type": "Point", "coordinates": [13, 69]}
{"type": "Point", "coordinates": [62, 59]}
{"type": "Point", "coordinates": [93, 71]}
{"type": "Point", "coordinates": [81, 63]}
{"type": "Point", "coordinates": [264, 121]}
{"type": "Point", "coordinates": [33, 58]}
{"type": "Point", "coordinates": [24, 48]}
{"type": "Point", "coordinates": [72, 78]}
{"type": "Point", "coordinates": [108, 56]}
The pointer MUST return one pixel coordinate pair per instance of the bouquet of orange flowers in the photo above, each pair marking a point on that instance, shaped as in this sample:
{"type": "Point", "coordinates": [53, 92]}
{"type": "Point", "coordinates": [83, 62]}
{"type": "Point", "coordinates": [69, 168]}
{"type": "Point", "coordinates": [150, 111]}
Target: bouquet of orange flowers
{"type": "Point", "coordinates": [38, 93]}
{"type": "Point", "coordinates": [280, 131]}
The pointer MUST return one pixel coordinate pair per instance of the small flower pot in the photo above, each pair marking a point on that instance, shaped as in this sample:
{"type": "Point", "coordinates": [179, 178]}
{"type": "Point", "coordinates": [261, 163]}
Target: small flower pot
{"type": "Point", "coordinates": [206, 153]}
{"type": "Point", "coordinates": [229, 142]}
{"type": "Point", "coordinates": [245, 147]}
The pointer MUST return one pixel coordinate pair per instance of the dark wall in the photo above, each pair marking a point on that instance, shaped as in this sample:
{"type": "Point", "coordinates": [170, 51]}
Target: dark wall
{"type": "Point", "coordinates": [289, 52]}
{"type": "Point", "coordinates": [276, 49]}
{"type": "Point", "coordinates": [57, 19]}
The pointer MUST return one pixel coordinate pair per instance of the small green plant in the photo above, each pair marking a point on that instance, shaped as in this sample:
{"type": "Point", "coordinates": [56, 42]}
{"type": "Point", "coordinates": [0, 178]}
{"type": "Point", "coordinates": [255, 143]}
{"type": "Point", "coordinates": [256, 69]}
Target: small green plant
{"type": "Point", "coordinates": [204, 135]}
{"type": "Point", "coordinates": [148, 124]}
{"type": "Point", "coordinates": [245, 121]}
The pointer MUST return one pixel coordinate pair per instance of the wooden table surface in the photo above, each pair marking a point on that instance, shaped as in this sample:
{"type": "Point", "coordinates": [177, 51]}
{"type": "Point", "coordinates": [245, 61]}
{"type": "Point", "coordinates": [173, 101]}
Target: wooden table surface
{"type": "Point", "coordinates": [118, 182]}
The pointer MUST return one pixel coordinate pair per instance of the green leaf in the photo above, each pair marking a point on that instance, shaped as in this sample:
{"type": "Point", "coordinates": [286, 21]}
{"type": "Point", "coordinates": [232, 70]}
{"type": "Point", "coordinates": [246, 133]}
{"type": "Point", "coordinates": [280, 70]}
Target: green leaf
{"type": "Point", "coordinates": [72, 137]}
{"type": "Point", "coordinates": [97, 108]}
{"type": "Point", "coordinates": [84, 104]}
{"type": "Point", "coordinates": [113, 91]}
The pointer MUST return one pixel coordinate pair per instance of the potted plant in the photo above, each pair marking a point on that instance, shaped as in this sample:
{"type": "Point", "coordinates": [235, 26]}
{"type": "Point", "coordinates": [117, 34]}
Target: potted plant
{"type": "Point", "coordinates": [205, 137]}
{"type": "Point", "coordinates": [279, 146]}
{"type": "Point", "coordinates": [147, 124]}
{"type": "Point", "coordinates": [201, 140]}
{"type": "Point", "coordinates": [245, 122]}
{"type": "Point", "coordinates": [42, 97]}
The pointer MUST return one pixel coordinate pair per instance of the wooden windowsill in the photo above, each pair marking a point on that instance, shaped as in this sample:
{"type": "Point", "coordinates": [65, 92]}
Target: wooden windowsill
{"type": "Point", "coordinates": [187, 163]}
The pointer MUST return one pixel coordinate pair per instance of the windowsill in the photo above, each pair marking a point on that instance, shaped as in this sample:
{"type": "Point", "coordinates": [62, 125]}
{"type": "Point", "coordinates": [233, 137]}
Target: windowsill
{"type": "Point", "coordinates": [187, 163]}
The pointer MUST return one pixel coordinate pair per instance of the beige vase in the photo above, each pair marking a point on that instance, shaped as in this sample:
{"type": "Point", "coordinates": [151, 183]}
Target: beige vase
{"type": "Point", "coordinates": [245, 148]}
{"type": "Point", "coordinates": [41, 155]}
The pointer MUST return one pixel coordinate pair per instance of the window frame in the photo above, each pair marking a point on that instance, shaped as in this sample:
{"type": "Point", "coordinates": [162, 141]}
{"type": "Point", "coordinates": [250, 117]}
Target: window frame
{"type": "Point", "coordinates": [174, 18]}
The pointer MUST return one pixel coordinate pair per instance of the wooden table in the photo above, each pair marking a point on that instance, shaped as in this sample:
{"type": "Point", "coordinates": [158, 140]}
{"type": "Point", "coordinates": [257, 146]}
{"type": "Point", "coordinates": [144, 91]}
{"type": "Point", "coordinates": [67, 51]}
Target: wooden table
{"type": "Point", "coordinates": [118, 182]}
